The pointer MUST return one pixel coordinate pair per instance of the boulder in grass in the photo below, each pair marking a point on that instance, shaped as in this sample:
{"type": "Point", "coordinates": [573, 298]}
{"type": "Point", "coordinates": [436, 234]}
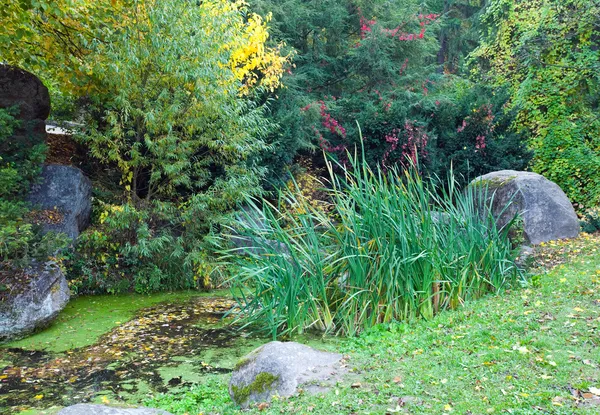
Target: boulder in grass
{"type": "Point", "coordinates": [32, 299]}
{"type": "Point", "coordinates": [278, 368]}
{"type": "Point", "coordinates": [64, 195]}
{"type": "Point", "coordinates": [546, 211]}
{"type": "Point", "coordinates": [90, 409]}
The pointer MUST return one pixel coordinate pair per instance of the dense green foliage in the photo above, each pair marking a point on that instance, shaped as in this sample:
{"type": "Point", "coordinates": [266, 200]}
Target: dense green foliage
{"type": "Point", "coordinates": [480, 140]}
{"type": "Point", "coordinates": [184, 117]}
{"type": "Point", "coordinates": [387, 66]}
{"type": "Point", "coordinates": [173, 119]}
{"type": "Point", "coordinates": [546, 53]}
{"type": "Point", "coordinates": [391, 248]}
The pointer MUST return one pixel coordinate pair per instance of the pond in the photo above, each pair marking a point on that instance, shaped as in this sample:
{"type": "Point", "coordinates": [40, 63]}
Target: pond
{"type": "Point", "coordinates": [120, 349]}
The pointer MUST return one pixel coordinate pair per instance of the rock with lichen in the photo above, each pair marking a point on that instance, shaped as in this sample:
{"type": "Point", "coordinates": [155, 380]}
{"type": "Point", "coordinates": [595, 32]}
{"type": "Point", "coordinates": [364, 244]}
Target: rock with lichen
{"type": "Point", "coordinates": [280, 369]}
{"type": "Point", "coordinates": [33, 299]}
{"type": "Point", "coordinates": [545, 211]}
{"type": "Point", "coordinates": [66, 193]}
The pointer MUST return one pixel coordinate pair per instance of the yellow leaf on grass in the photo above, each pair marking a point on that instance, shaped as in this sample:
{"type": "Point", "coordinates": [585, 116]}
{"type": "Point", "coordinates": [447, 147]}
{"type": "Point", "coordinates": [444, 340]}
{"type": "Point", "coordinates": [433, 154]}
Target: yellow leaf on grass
{"type": "Point", "coordinates": [447, 407]}
{"type": "Point", "coordinates": [38, 397]}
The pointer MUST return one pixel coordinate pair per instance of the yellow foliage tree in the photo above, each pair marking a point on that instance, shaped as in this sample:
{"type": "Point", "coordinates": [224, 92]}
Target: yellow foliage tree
{"type": "Point", "coordinates": [56, 38]}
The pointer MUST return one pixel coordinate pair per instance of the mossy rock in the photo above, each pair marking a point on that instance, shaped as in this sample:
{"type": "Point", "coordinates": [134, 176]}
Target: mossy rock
{"type": "Point", "coordinates": [545, 210]}
{"type": "Point", "coordinates": [279, 369]}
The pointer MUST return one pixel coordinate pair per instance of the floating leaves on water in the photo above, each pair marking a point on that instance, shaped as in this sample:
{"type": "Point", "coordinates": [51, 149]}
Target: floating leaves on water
{"type": "Point", "coordinates": [129, 352]}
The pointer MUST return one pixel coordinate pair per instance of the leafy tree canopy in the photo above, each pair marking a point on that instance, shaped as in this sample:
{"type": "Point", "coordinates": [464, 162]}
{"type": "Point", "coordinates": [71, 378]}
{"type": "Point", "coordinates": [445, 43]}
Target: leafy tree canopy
{"type": "Point", "coordinates": [546, 53]}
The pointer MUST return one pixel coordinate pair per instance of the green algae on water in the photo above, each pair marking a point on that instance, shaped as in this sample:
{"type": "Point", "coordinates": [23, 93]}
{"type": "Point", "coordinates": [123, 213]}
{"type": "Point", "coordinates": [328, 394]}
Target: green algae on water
{"type": "Point", "coordinates": [87, 318]}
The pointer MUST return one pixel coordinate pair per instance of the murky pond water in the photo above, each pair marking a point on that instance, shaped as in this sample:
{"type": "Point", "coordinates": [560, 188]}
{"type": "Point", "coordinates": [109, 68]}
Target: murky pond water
{"type": "Point", "coordinates": [163, 346]}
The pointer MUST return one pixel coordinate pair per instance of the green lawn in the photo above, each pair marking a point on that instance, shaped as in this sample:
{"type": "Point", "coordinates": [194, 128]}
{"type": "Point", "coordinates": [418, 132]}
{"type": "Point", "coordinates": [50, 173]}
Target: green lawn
{"type": "Point", "coordinates": [527, 351]}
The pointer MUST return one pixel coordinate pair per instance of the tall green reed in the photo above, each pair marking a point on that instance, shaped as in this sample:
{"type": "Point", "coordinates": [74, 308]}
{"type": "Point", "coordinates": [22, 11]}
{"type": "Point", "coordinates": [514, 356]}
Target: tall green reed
{"type": "Point", "coordinates": [393, 247]}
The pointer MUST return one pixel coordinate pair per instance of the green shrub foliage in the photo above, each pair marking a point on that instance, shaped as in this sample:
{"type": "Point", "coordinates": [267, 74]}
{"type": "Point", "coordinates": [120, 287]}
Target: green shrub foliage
{"type": "Point", "coordinates": [545, 53]}
{"type": "Point", "coordinates": [174, 120]}
{"type": "Point", "coordinates": [395, 68]}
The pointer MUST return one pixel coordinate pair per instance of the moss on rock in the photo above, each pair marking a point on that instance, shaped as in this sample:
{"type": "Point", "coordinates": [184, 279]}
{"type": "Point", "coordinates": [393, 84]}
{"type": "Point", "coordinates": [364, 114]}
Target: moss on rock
{"type": "Point", "coordinates": [241, 363]}
{"type": "Point", "coordinates": [261, 383]}
{"type": "Point", "coordinates": [492, 183]}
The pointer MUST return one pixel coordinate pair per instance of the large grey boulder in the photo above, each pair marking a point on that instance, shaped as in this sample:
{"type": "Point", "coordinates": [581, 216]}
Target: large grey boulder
{"type": "Point", "coordinates": [24, 90]}
{"type": "Point", "coordinates": [65, 190]}
{"type": "Point", "coordinates": [37, 294]}
{"type": "Point", "coordinates": [278, 368]}
{"type": "Point", "coordinates": [546, 211]}
{"type": "Point", "coordinates": [90, 409]}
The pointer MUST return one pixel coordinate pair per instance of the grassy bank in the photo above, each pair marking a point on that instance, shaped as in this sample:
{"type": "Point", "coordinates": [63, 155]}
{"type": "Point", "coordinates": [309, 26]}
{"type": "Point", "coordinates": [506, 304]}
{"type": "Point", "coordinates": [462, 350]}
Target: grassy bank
{"type": "Point", "coordinates": [526, 351]}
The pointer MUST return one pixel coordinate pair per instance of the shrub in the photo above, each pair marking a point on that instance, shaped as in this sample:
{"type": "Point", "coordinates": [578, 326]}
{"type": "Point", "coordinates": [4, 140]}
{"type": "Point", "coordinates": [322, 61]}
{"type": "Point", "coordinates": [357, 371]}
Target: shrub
{"type": "Point", "coordinates": [177, 115]}
{"type": "Point", "coordinates": [591, 220]}
{"type": "Point", "coordinates": [144, 250]}
{"type": "Point", "coordinates": [397, 248]}
{"type": "Point", "coordinates": [471, 131]}
{"type": "Point", "coordinates": [545, 54]}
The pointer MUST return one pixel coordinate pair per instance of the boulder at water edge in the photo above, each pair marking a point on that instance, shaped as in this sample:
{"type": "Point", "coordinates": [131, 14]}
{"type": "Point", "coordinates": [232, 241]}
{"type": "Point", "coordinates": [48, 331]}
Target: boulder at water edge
{"type": "Point", "coordinates": [89, 409]}
{"type": "Point", "coordinates": [546, 211]}
{"type": "Point", "coordinates": [67, 194]}
{"type": "Point", "coordinates": [279, 369]}
{"type": "Point", "coordinates": [34, 298]}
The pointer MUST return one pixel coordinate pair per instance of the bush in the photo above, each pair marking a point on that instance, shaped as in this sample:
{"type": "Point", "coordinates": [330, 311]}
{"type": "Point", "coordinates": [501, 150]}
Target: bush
{"type": "Point", "coordinates": [471, 131]}
{"type": "Point", "coordinates": [144, 250]}
{"type": "Point", "coordinates": [591, 220]}
{"type": "Point", "coordinates": [393, 248]}
{"type": "Point", "coordinates": [177, 115]}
